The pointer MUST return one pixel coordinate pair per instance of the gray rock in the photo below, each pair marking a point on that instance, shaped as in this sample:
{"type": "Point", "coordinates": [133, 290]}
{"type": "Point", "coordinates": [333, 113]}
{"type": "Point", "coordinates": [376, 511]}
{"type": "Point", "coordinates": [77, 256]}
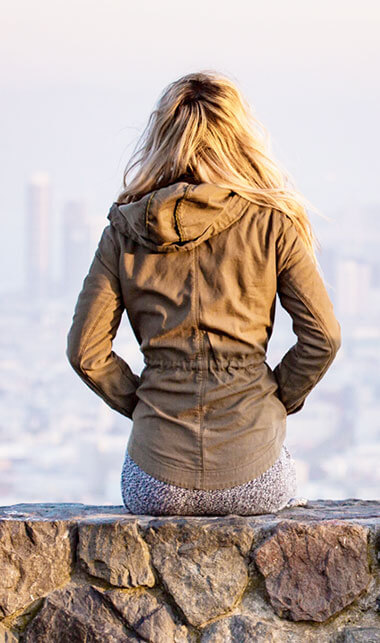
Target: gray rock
{"type": "Point", "coordinates": [201, 563]}
{"type": "Point", "coordinates": [76, 614]}
{"type": "Point", "coordinates": [358, 635]}
{"type": "Point", "coordinates": [349, 509]}
{"type": "Point", "coordinates": [147, 616]}
{"type": "Point", "coordinates": [239, 629]}
{"type": "Point", "coordinates": [115, 551]}
{"type": "Point", "coordinates": [60, 511]}
{"type": "Point", "coordinates": [35, 558]}
{"type": "Point", "coordinates": [314, 570]}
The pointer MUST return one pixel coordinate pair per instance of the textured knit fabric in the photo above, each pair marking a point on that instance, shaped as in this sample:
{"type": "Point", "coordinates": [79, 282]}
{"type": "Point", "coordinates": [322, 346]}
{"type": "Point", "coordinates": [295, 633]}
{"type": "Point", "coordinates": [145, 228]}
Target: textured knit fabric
{"type": "Point", "coordinates": [268, 493]}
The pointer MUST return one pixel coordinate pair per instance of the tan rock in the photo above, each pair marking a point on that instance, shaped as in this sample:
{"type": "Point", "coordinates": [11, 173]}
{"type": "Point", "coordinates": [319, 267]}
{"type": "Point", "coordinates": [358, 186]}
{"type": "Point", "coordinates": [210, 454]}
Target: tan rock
{"type": "Point", "coordinates": [148, 616]}
{"type": "Point", "coordinates": [6, 636]}
{"type": "Point", "coordinates": [115, 551]}
{"type": "Point", "coordinates": [201, 563]}
{"type": "Point", "coordinates": [35, 558]}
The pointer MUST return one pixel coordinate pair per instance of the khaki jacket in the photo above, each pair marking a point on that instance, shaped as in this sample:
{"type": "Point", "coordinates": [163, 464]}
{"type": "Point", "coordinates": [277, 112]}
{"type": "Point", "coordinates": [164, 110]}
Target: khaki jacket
{"type": "Point", "coordinates": [197, 269]}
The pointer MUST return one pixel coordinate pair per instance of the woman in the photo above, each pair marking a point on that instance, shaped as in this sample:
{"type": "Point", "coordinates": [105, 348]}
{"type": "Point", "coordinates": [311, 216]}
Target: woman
{"type": "Point", "coordinates": [199, 242]}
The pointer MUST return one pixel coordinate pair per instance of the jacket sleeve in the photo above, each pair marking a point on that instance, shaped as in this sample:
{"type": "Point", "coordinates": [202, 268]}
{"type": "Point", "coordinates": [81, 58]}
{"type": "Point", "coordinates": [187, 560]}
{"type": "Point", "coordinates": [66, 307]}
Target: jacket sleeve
{"type": "Point", "coordinates": [303, 294]}
{"type": "Point", "coordinates": [97, 316]}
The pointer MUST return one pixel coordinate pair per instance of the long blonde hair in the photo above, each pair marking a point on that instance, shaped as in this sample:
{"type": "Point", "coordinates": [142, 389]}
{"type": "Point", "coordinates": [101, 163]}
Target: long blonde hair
{"type": "Point", "coordinates": [203, 128]}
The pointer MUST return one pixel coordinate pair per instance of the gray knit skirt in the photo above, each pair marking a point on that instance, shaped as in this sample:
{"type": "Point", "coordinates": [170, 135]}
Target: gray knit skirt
{"type": "Point", "coordinates": [273, 490]}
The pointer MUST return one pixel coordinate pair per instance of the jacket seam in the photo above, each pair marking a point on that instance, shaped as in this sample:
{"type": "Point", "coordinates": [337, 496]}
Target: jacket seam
{"type": "Point", "coordinates": [200, 371]}
{"type": "Point", "coordinates": [93, 325]}
{"type": "Point", "coordinates": [177, 210]}
{"type": "Point", "coordinates": [147, 209]}
{"type": "Point", "coordinates": [98, 256]}
{"type": "Point", "coordinates": [305, 300]}
{"type": "Point", "coordinates": [110, 230]}
{"type": "Point", "coordinates": [111, 237]}
{"type": "Point", "coordinates": [283, 240]}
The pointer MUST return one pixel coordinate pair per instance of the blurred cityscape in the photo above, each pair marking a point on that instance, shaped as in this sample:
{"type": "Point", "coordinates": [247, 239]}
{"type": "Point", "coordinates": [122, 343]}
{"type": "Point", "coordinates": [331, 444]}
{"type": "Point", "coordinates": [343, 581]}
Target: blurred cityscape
{"type": "Point", "coordinates": [59, 442]}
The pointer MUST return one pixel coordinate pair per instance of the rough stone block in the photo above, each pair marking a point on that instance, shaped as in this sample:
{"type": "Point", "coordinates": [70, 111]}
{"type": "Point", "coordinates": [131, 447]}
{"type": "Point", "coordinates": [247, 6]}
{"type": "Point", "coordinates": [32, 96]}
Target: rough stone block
{"type": "Point", "coordinates": [202, 564]}
{"type": "Point", "coordinates": [314, 570]}
{"type": "Point", "coordinates": [359, 635]}
{"type": "Point", "coordinates": [6, 636]}
{"type": "Point", "coordinates": [239, 628]}
{"type": "Point", "coordinates": [35, 558]}
{"type": "Point", "coordinates": [77, 614]}
{"type": "Point", "coordinates": [73, 572]}
{"type": "Point", "coordinates": [115, 551]}
{"type": "Point", "coordinates": [148, 616]}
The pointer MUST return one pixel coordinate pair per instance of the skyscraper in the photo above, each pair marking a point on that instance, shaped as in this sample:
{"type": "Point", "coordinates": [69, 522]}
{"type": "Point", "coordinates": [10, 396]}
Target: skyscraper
{"type": "Point", "coordinates": [76, 240]}
{"type": "Point", "coordinates": [354, 288]}
{"type": "Point", "coordinates": [38, 234]}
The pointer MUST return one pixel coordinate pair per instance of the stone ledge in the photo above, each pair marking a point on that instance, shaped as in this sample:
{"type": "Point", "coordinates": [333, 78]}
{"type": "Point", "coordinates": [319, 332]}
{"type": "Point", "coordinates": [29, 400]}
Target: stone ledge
{"type": "Point", "coordinates": [96, 573]}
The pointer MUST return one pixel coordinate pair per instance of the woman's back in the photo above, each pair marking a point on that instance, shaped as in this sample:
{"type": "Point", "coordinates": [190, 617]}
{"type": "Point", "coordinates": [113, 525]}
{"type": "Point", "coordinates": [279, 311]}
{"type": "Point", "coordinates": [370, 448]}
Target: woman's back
{"type": "Point", "coordinates": [199, 242]}
{"type": "Point", "coordinates": [197, 268]}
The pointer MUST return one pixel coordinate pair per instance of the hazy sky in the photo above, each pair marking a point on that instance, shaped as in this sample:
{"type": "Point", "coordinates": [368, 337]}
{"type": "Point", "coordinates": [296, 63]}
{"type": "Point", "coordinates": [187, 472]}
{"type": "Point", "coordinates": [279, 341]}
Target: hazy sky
{"type": "Point", "coordinates": [80, 78]}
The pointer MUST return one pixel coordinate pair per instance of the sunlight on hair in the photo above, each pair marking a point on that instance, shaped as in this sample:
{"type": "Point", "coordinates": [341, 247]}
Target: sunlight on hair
{"type": "Point", "coordinates": [203, 130]}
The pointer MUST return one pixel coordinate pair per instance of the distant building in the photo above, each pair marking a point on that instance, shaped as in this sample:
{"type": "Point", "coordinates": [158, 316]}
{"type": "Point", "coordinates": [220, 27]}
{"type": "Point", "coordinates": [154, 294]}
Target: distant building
{"type": "Point", "coordinates": [38, 235]}
{"type": "Point", "coordinates": [77, 245]}
{"type": "Point", "coordinates": [328, 260]}
{"type": "Point", "coordinates": [354, 288]}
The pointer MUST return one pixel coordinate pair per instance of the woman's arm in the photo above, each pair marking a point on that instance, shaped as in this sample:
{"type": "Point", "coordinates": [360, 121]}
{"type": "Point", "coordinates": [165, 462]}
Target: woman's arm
{"type": "Point", "coordinates": [95, 322]}
{"type": "Point", "coordinates": [303, 294]}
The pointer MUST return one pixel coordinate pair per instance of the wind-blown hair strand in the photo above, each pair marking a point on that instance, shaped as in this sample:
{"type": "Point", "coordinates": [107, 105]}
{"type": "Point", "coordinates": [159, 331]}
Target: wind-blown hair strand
{"type": "Point", "coordinates": [203, 128]}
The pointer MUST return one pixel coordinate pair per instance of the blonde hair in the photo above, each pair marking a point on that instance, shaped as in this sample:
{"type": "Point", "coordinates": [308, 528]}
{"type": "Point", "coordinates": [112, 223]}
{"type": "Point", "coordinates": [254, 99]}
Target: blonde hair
{"type": "Point", "coordinates": [203, 128]}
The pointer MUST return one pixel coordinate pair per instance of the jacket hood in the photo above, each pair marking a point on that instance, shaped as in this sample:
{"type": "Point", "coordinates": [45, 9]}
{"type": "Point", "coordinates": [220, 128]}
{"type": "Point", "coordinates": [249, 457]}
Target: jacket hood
{"type": "Point", "coordinates": [179, 216]}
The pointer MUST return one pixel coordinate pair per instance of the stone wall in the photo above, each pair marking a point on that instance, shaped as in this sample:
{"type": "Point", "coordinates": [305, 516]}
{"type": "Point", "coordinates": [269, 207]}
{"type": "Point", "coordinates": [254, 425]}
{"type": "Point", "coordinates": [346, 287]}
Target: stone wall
{"type": "Point", "coordinates": [72, 572]}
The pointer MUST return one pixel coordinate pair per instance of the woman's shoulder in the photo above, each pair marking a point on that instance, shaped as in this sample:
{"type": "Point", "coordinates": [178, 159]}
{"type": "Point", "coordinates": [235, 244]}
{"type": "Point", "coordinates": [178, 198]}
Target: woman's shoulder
{"type": "Point", "coordinates": [270, 218]}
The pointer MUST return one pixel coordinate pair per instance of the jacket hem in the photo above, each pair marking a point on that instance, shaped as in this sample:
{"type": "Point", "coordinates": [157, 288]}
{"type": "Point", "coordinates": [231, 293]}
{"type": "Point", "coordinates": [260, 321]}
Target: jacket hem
{"type": "Point", "coordinates": [219, 479]}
